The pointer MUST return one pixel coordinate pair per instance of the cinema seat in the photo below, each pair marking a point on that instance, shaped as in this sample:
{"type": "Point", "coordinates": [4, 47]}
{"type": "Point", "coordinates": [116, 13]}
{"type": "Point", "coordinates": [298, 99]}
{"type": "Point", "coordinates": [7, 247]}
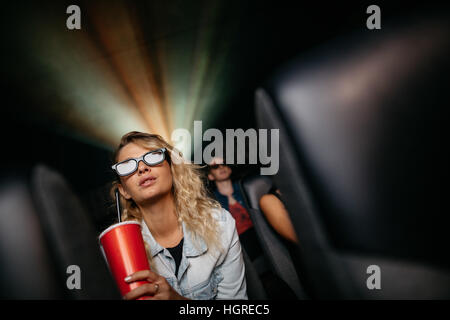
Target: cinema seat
{"type": "Point", "coordinates": [275, 250]}
{"type": "Point", "coordinates": [44, 230]}
{"type": "Point", "coordinates": [363, 170]}
{"type": "Point", "coordinates": [255, 288]}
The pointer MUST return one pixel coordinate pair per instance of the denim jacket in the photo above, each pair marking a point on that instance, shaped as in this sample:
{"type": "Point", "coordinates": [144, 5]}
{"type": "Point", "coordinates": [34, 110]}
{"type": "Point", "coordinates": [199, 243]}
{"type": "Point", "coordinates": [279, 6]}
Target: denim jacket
{"type": "Point", "coordinates": [203, 275]}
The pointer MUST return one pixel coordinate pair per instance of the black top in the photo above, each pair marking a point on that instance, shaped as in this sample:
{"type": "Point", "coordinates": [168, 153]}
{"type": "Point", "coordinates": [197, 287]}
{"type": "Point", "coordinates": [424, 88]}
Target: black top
{"type": "Point", "coordinates": [177, 253]}
{"type": "Point", "coordinates": [273, 190]}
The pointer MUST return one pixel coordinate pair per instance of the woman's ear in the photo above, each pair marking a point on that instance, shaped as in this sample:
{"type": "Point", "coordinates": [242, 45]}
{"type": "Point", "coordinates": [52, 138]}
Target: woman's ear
{"type": "Point", "coordinates": [123, 192]}
{"type": "Point", "coordinates": [210, 177]}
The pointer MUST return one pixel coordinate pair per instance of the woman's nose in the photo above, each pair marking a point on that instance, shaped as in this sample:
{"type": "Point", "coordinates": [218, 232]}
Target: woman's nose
{"type": "Point", "coordinates": [142, 167]}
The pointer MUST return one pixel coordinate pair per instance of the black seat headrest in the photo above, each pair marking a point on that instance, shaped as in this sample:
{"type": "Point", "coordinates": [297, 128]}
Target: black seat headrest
{"type": "Point", "coordinates": [26, 267]}
{"type": "Point", "coordinates": [72, 236]}
{"type": "Point", "coordinates": [361, 141]}
{"type": "Point", "coordinates": [255, 187]}
{"type": "Point", "coordinates": [44, 231]}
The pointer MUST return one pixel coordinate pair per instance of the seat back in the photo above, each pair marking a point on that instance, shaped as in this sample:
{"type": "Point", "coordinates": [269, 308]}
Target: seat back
{"type": "Point", "coordinates": [361, 163]}
{"type": "Point", "coordinates": [71, 233]}
{"type": "Point", "coordinates": [255, 288]}
{"type": "Point", "coordinates": [26, 267]}
{"type": "Point", "coordinates": [275, 251]}
{"type": "Point", "coordinates": [47, 231]}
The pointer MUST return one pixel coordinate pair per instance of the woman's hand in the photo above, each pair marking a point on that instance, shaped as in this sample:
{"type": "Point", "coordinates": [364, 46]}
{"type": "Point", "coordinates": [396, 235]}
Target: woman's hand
{"type": "Point", "coordinates": [157, 287]}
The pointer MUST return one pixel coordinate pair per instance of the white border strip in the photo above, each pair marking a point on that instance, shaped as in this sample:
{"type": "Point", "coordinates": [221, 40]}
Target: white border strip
{"type": "Point", "coordinates": [116, 225]}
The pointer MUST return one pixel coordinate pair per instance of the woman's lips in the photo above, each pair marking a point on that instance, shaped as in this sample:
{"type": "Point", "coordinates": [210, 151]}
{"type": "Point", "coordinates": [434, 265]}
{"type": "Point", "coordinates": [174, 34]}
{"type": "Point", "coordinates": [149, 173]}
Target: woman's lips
{"type": "Point", "coordinates": [148, 182]}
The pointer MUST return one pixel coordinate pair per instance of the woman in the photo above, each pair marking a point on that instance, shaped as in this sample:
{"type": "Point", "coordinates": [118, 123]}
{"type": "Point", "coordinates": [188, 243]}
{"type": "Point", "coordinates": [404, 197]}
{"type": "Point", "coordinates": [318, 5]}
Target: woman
{"type": "Point", "coordinates": [192, 243]}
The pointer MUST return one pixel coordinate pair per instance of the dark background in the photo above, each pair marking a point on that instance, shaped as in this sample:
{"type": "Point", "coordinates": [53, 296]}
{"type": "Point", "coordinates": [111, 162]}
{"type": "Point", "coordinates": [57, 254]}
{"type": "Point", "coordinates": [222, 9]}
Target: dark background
{"type": "Point", "coordinates": [270, 34]}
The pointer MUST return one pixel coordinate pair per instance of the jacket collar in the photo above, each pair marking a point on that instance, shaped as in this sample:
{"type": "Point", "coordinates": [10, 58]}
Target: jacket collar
{"type": "Point", "coordinates": [191, 247]}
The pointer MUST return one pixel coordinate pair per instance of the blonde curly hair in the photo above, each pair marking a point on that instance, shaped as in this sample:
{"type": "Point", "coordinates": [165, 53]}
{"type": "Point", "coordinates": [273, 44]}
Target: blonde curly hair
{"type": "Point", "coordinates": [193, 204]}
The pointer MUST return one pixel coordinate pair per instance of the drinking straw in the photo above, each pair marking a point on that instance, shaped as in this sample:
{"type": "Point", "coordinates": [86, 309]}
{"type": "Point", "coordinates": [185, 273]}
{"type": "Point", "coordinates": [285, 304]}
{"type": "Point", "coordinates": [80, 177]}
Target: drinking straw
{"type": "Point", "coordinates": [118, 205]}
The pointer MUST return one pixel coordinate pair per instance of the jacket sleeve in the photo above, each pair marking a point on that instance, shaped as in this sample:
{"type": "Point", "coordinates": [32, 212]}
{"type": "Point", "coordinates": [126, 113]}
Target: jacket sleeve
{"type": "Point", "coordinates": [231, 271]}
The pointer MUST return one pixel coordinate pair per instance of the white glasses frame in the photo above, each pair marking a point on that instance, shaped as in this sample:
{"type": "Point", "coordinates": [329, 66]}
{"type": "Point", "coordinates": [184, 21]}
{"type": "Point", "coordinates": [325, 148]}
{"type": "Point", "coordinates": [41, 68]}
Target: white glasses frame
{"type": "Point", "coordinates": [138, 159]}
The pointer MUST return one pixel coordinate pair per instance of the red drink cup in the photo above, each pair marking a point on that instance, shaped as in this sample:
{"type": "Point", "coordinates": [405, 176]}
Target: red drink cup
{"type": "Point", "coordinates": [124, 251]}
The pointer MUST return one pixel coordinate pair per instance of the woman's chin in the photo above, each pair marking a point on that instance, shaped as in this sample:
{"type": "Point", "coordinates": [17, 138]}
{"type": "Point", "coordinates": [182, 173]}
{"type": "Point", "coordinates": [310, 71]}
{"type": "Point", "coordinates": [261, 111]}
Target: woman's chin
{"type": "Point", "coordinates": [151, 196]}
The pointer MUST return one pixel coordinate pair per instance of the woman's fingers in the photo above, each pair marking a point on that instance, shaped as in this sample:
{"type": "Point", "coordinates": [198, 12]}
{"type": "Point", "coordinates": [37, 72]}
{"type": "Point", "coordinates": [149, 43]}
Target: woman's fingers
{"type": "Point", "coordinates": [142, 275]}
{"type": "Point", "coordinates": [156, 288]}
{"type": "Point", "coordinates": [148, 289]}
